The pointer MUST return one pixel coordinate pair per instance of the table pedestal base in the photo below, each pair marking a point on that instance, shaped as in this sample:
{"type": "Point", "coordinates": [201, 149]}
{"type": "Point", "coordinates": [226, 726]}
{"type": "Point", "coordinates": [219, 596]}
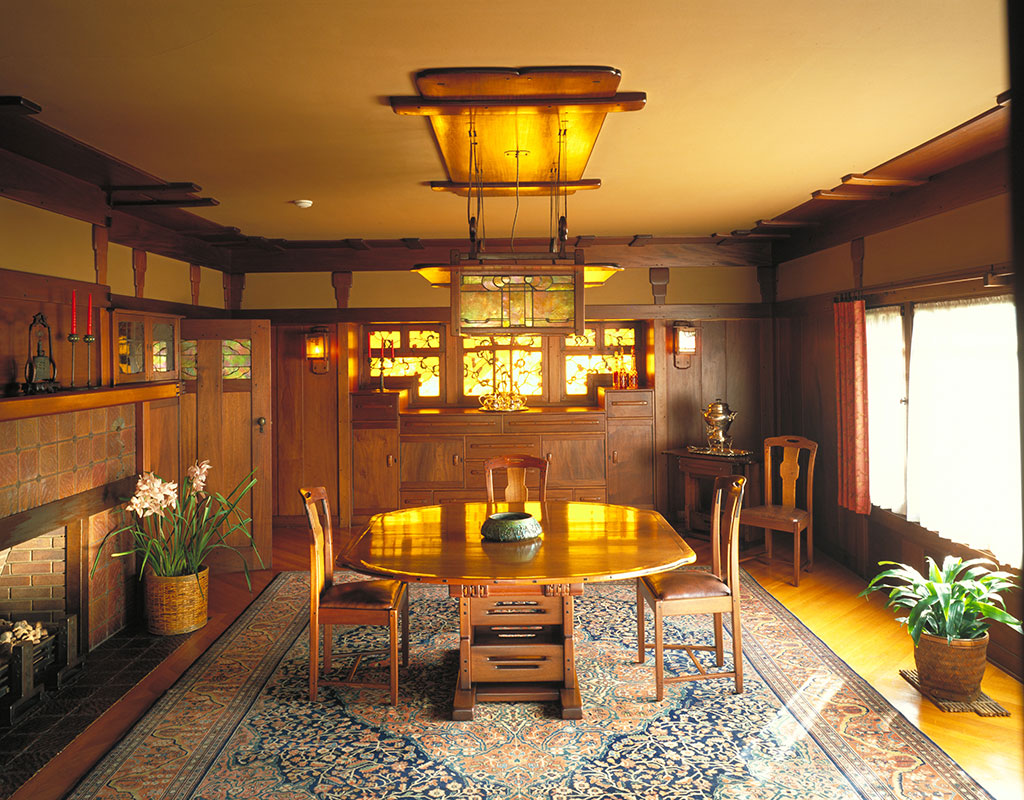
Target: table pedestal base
{"type": "Point", "coordinates": [516, 645]}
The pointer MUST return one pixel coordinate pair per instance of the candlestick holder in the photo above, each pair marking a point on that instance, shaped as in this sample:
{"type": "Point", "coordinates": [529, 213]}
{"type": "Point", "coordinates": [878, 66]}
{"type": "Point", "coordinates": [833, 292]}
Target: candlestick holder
{"type": "Point", "coordinates": [88, 339]}
{"type": "Point", "coordinates": [73, 338]}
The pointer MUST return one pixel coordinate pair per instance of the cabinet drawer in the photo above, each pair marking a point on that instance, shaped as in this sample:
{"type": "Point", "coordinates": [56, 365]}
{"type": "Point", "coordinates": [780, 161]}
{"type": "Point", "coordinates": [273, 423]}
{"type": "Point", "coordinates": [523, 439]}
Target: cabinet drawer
{"type": "Point", "coordinates": [559, 494]}
{"type": "Point", "coordinates": [484, 447]}
{"type": "Point", "coordinates": [595, 495]}
{"type": "Point", "coordinates": [461, 495]}
{"type": "Point", "coordinates": [497, 663]}
{"type": "Point", "coordinates": [413, 499]}
{"type": "Point", "coordinates": [629, 403]}
{"type": "Point", "coordinates": [431, 424]}
{"type": "Point", "coordinates": [499, 612]}
{"type": "Point", "coordinates": [547, 423]}
{"type": "Point", "coordinates": [476, 477]}
{"type": "Point", "coordinates": [382, 406]}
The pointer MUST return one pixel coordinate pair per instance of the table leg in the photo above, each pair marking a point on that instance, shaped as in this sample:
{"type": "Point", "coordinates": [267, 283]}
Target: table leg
{"type": "Point", "coordinates": [465, 694]}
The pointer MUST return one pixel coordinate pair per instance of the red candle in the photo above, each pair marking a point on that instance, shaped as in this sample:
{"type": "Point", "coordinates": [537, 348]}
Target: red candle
{"type": "Point", "coordinates": [392, 351]}
{"type": "Point", "coordinates": [74, 312]}
{"type": "Point", "coordinates": [88, 318]}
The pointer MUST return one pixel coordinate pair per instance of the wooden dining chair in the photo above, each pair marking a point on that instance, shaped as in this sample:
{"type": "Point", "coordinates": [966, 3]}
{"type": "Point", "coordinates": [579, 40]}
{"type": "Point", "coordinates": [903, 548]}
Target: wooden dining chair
{"type": "Point", "coordinates": [788, 496]}
{"type": "Point", "coordinates": [699, 592]}
{"type": "Point", "coordinates": [370, 602]}
{"type": "Point", "coordinates": [515, 467]}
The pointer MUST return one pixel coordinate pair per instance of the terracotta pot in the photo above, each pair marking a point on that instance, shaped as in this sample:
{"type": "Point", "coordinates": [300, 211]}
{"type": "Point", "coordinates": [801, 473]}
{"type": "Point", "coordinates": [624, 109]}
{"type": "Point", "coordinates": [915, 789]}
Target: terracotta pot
{"type": "Point", "coordinates": [176, 605]}
{"type": "Point", "coordinates": [951, 670]}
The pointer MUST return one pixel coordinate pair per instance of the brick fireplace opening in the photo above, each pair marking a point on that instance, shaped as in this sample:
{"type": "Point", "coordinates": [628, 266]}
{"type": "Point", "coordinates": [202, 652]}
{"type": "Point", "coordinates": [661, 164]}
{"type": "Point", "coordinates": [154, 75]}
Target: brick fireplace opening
{"type": "Point", "coordinates": [61, 477]}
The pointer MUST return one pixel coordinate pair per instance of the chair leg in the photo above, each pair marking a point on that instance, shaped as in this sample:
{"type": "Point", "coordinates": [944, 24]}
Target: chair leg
{"type": "Point", "coordinates": [405, 629]}
{"type": "Point", "coordinates": [810, 546]}
{"type": "Point", "coordinates": [314, 656]}
{"type": "Point", "coordinates": [768, 543]}
{"type": "Point", "coordinates": [393, 639]}
{"type": "Point", "coordinates": [328, 639]}
{"type": "Point", "coordinates": [719, 643]}
{"type": "Point", "coordinates": [641, 644]}
{"type": "Point", "coordinates": [737, 648]}
{"type": "Point", "coordinates": [796, 558]}
{"type": "Point", "coordinates": [659, 653]}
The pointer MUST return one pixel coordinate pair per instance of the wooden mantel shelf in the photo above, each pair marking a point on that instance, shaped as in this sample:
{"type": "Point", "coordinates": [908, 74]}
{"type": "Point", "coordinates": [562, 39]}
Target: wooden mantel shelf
{"type": "Point", "coordinates": [81, 400]}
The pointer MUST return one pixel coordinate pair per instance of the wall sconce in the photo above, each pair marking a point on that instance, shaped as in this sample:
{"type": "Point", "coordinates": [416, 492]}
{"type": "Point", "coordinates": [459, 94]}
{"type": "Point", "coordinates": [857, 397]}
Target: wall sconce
{"type": "Point", "coordinates": [316, 351]}
{"type": "Point", "coordinates": [684, 344]}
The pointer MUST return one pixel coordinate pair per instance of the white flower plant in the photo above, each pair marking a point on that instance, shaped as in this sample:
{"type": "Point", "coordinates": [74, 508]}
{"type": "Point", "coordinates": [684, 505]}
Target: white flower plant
{"type": "Point", "coordinates": [174, 531]}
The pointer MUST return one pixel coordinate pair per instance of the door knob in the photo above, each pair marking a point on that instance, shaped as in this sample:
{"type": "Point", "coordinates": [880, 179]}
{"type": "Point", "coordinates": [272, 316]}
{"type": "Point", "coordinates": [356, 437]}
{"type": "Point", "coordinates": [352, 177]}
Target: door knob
{"type": "Point", "coordinates": [261, 421]}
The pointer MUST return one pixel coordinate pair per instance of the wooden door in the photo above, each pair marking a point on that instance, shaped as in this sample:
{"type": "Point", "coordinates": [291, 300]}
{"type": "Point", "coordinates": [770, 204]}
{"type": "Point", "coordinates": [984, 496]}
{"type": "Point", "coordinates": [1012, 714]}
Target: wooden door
{"type": "Point", "coordinates": [374, 470]}
{"type": "Point", "coordinates": [226, 418]}
{"type": "Point", "coordinates": [631, 463]}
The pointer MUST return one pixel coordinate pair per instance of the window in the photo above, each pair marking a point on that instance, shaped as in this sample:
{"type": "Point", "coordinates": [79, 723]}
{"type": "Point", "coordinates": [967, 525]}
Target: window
{"type": "Point", "coordinates": [588, 355]}
{"type": "Point", "coordinates": [502, 363]}
{"type": "Point", "coordinates": [411, 353]}
{"type": "Point", "coordinates": [953, 406]}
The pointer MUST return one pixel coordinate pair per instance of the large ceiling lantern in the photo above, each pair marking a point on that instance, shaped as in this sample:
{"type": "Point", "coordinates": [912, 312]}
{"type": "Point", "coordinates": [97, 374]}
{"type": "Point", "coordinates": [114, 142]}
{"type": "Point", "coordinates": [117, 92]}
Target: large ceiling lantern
{"type": "Point", "coordinates": [525, 133]}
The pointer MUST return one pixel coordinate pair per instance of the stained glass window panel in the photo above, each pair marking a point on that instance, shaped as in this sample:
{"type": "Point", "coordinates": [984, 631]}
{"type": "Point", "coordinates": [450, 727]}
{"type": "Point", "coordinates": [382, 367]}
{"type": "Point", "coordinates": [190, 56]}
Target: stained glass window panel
{"type": "Point", "coordinates": [387, 339]}
{"type": "Point", "coordinates": [425, 340]}
{"type": "Point", "coordinates": [587, 339]}
{"type": "Point", "coordinates": [619, 337]}
{"type": "Point", "coordinates": [236, 359]}
{"type": "Point", "coordinates": [189, 350]}
{"type": "Point", "coordinates": [163, 347]}
{"type": "Point", "coordinates": [517, 301]}
{"type": "Point", "coordinates": [426, 368]}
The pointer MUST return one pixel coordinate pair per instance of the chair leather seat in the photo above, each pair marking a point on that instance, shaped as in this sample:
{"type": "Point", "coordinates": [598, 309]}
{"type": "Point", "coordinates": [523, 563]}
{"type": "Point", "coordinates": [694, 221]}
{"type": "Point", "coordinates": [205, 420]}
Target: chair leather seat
{"type": "Point", "coordinates": [362, 594]}
{"type": "Point", "coordinates": [776, 517]}
{"type": "Point", "coordinates": [685, 585]}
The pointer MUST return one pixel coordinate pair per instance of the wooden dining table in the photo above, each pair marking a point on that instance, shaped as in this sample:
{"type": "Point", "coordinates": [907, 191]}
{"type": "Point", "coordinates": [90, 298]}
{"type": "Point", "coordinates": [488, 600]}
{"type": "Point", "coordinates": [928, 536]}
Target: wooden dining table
{"type": "Point", "coordinates": [516, 599]}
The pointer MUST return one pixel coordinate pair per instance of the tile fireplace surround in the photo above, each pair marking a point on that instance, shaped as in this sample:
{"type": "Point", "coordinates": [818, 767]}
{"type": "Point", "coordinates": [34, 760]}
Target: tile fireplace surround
{"type": "Point", "coordinates": [44, 462]}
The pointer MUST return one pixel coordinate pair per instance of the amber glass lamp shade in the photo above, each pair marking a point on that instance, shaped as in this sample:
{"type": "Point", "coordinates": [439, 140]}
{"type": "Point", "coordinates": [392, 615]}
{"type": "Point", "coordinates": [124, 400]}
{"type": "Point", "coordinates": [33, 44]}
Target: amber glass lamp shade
{"type": "Point", "coordinates": [316, 350]}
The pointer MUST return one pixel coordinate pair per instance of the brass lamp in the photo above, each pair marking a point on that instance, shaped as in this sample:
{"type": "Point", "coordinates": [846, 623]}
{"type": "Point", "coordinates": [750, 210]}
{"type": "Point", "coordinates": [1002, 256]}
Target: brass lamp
{"type": "Point", "coordinates": [684, 344]}
{"type": "Point", "coordinates": [316, 351]}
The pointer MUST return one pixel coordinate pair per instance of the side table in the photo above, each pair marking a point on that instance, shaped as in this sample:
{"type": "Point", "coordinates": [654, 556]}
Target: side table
{"type": "Point", "coordinates": [695, 469]}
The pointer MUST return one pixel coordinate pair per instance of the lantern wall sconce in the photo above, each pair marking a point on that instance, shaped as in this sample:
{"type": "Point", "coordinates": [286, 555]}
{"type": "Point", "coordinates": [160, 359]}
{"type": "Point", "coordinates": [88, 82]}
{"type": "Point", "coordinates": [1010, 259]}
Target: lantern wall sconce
{"type": "Point", "coordinates": [316, 351]}
{"type": "Point", "coordinates": [684, 344]}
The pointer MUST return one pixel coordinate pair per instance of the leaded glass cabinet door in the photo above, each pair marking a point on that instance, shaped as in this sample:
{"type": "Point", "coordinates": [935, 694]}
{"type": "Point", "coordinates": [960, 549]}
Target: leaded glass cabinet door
{"type": "Point", "coordinates": [226, 419]}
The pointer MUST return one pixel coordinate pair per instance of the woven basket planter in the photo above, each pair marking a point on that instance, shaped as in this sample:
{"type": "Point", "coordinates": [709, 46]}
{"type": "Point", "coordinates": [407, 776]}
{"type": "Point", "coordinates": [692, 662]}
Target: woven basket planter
{"type": "Point", "coordinates": [951, 670]}
{"type": "Point", "coordinates": [176, 605]}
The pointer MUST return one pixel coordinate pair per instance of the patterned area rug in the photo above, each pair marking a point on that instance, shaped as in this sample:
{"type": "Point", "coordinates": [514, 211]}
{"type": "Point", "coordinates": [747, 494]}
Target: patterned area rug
{"type": "Point", "coordinates": [239, 723]}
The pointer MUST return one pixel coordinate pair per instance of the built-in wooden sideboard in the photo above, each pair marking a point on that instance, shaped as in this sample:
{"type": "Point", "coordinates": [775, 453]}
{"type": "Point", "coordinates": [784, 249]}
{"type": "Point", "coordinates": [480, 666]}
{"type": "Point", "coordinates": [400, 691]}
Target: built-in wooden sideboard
{"type": "Point", "coordinates": [403, 457]}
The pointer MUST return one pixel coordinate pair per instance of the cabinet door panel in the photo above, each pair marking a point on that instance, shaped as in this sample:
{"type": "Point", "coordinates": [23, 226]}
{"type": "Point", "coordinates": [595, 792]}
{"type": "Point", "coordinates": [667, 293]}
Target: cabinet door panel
{"type": "Point", "coordinates": [575, 459]}
{"type": "Point", "coordinates": [374, 470]}
{"type": "Point", "coordinates": [631, 463]}
{"type": "Point", "coordinates": [432, 462]}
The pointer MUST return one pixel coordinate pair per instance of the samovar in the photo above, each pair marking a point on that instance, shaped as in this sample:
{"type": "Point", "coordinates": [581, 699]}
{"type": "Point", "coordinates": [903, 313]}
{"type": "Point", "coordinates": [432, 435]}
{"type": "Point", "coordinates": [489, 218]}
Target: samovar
{"type": "Point", "coordinates": [717, 419]}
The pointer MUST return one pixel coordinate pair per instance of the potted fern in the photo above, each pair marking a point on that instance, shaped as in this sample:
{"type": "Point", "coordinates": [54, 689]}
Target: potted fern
{"type": "Point", "coordinates": [951, 610]}
{"type": "Point", "coordinates": [174, 533]}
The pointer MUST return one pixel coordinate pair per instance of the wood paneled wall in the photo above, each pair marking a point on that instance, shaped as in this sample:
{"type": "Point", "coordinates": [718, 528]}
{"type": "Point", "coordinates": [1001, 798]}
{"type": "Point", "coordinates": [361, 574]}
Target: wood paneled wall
{"type": "Point", "coordinates": [305, 423]}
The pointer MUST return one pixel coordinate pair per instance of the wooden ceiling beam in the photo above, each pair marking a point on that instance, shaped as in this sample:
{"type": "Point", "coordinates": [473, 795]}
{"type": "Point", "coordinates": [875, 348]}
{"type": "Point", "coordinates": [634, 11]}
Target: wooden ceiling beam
{"type": "Point", "coordinates": [131, 231]}
{"type": "Point", "coordinates": [856, 179]}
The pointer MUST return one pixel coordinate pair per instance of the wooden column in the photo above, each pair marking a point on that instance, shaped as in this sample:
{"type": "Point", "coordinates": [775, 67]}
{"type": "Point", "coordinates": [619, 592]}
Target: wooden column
{"type": "Point", "coordinates": [768, 280]}
{"type": "Point", "coordinates": [342, 285]}
{"type": "Point", "coordinates": [139, 270]}
{"type": "Point", "coordinates": [195, 274]}
{"type": "Point", "coordinates": [857, 257]}
{"type": "Point", "coordinates": [658, 277]}
{"type": "Point", "coordinates": [100, 241]}
{"type": "Point", "coordinates": [233, 286]}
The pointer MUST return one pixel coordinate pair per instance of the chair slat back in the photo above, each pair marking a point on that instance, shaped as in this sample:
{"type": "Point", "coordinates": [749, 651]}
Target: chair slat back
{"type": "Point", "coordinates": [785, 470]}
{"type": "Point", "coordinates": [321, 556]}
{"type": "Point", "coordinates": [515, 466]}
{"type": "Point", "coordinates": [725, 514]}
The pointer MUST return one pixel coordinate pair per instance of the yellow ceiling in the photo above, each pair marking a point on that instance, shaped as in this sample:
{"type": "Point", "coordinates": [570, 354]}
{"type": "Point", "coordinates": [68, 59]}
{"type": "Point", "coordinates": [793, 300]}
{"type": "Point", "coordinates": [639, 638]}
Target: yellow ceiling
{"type": "Point", "coordinates": [750, 106]}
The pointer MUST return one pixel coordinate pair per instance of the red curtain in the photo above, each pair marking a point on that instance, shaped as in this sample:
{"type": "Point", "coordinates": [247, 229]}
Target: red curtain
{"type": "Point", "coordinates": [852, 405]}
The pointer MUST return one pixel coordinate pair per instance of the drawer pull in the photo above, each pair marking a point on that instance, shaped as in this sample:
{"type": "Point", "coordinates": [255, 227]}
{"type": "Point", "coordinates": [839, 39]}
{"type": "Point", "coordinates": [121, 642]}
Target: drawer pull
{"type": "Point", "coordinates": [500, 611]}
{"type": "Point", "coordinates": [516, 603]}
{"type": "Point", "coordinates": [517, 635]}
{"type": "Point", "coordinates": [629, 402]}
{"type": "Point", "coordinates": [455, 459]}
{"type": "Point", "coordinates": [547, 457]}
{"type": "Point", "coordinates": [615, 456]}
{"type": "Point", "coordinates": [389, 460]}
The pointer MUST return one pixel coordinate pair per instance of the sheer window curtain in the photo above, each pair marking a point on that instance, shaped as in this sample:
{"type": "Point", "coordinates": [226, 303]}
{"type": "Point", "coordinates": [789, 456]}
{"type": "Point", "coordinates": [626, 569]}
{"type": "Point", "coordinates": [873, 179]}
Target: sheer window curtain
{"type": "Point", "coordinates": [887, 400]}
{"type": "Point", "coordinates": [963, 454]}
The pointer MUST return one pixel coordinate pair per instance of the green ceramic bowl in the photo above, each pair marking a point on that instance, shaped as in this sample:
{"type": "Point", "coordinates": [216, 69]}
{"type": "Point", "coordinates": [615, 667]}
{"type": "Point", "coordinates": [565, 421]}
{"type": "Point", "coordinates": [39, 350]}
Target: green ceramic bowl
{"type": "Point", "coordinates": [510, 526]}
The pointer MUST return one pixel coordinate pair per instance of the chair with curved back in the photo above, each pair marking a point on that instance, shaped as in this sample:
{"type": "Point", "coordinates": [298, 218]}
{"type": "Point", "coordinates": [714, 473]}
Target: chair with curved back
{"type": "Point", "coordinates": [369, 602]}
{"type": "Point", "coordinates": [515, 466]}
{"type": "Point", "coordinates": [788, 496]}
{"type": "Point", "coordinates": [699, 592]}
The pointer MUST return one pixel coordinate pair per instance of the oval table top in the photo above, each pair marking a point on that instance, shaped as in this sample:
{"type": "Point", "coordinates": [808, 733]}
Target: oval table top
{"type": "Point", "coordinates": [580, 543]}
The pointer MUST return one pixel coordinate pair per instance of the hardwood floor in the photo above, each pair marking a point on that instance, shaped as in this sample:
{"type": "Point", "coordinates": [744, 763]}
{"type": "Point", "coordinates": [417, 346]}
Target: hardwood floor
{"type": "Point", "coordinates": [859, 630]}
